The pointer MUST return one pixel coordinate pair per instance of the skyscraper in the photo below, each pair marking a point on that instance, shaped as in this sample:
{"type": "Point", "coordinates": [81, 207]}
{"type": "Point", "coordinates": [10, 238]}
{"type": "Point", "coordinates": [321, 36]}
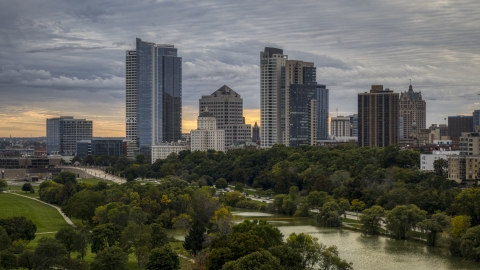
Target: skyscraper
{"type": "Point", "coordinates": [156, 70]}
{"type": "Point", "coordinates": [412, 109]}
{"type": "Point", "coordinates": [256, 133]}
{"type": "Point", "coordinates": [207, 136]}
{"type": "Point", "coordinates": [340, 126]}
{"type": "Point", "coordinates": [353, 125]}
{"type": "Point", "coordinates": [271, 62]}
{"type": "Point", "coordinates": [131, 102]}
{"type": "Point", "coordinates": [227, 107]}
{"type": "Point", "coordinates": [378, 117]}
{"type": "Point", "coordinates": [64, 132]}
{"type": "Point", "coordinates": [293, 107]}
{"type": "Point", "coordinates": [476, 119]}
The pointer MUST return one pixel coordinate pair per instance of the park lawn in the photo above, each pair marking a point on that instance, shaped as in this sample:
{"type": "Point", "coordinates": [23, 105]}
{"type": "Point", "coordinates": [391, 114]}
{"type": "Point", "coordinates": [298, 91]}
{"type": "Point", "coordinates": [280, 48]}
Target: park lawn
{"type": "Point", "coordinates": [28, 194]}
{"type": "Point", "coordinates": [45, 217]}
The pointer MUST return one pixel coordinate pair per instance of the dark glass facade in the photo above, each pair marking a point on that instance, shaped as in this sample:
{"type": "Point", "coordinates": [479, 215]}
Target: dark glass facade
{"type": "Point", "coordinates": [159, 94]}
{"type": "Point", "coordinates": [100, 147]}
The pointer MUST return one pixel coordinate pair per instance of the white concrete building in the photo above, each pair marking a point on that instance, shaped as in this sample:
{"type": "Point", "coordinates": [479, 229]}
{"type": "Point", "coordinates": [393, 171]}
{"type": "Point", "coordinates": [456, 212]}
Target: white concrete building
{"type": "Point", "coordinates": [426, 160]}
{"type": "Point", "coordinates": [207, 136]}
{"type": "Point", "coordinates": [162, 151]}
{"type": "Point", "coordinates": [340, 126]}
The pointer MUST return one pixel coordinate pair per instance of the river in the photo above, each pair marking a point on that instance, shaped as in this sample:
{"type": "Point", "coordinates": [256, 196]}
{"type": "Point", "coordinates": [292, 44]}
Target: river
{"type": "Point", "coordinates": [365, 251]}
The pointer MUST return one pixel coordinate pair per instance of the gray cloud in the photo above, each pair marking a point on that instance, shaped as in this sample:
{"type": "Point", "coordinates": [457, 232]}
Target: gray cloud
{"type": "Point", "coordinates": [76, 49]}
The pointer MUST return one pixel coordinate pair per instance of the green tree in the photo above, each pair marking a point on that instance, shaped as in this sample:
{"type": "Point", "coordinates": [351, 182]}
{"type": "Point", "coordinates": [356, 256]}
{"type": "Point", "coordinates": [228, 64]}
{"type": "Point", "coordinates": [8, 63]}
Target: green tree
{"type": "Point", "coordinates": [371, 219]}
{"type": "Point", "coordinates": [25, 259]}
{"type": "Point", "coordinates": [440, 167]}
{"type": "Point", "coordinates": [261, 228]}
{"type": "Point", "coordinates": [163, 258]}
{"type": "Point", "coordinates": [357, 205]}
{"type": "Point", "coordinates": [329, 215]}
{"type": "Point", "coordinates": [195, 238]}
{"type": "Point", "coordinates": [289, 258]}
{"type": "Point", "coordinates": [137, 239]}
{"type": "Point", "coordinates": [66, 236]}
{"type": "Point", "coordinates": [3, 185]}
{"type": "Point", "coordinates": [105, 235]}
{"type": "Point", "coordinates": [308, 247]}
{"type": "Point", "coordinates": [316, 199]}
{"type": "Point", "coordinates": [470, 246]}
{"type": "Point", "coordinates": [19, 228]}
{"type": "Point", "coordinates": [27, 187]}
{"type": "Point", "coordinates": [65, 177]}
{"type": "Point", "coordinates": [466, 204]}
{"type": "Point", "coordinates": [83, 204]}
{"type": "Point", "coordinates": [159, 236]}
{"type": "Point", "coordinates": [344, 205]}
{"type": "Point", "coordinates": [111, 258]}
{"type": "Point", "coordinates": [221, 183]}
{"type": "Point", "coordinates": [76, 159]}
{"type": "Point", "coordinates": [5, 240]}
{"type": "Point", "coordinates": [260, 260]}
{"type": "Point", "coordinates": [8, 260]}
{"type": "Point", "coordinates": [403, 218]}
{"type": "Point", "coordinates": [49, 253]}
{"type": "Point", "coordinates": [434, 225]}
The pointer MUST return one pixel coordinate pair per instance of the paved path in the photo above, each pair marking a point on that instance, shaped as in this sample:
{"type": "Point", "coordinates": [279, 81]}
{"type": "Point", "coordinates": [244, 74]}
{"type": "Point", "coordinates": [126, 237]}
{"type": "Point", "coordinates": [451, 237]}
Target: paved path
{"type": "Point", "coordinates": [56, 207]}
{"type": "Point", "coordinates": [100, 174]}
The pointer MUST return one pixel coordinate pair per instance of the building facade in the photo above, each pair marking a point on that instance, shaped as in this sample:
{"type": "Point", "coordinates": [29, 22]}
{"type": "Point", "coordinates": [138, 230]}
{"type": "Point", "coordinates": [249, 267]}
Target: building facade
{"type": "Point", "coordinates": [353, 125]}
{"type": "Point", "coordinates": [256, 133]}
{"type": "Point", "coordinates": [459, 124]}
{"type": "Point", "coordinates": [427, 160]}
{"type": "Point", "coordinates": [476, 119]}
{"type": "Point", "coordinates": [131, 102]}
{"type": "Point", "coordinates": [207, 136]}
{"type": "Point", "coordinates": [340, 126]}
{"type": "Point", "coordinates": [462, 168]}
{"type": "Point", "coordinates": [378, 117]}
{"type": "Point", "coordinates": [100, 147]}
{"type": "Point", "coordinates": [412, 110]}
{"type": "Point", "coordinates": [163, 150]}
{"type": "Point", "coordinates": [158, 94]}
{"type": "Point", "coordinates": [227, 107]}
{"type": "Point", "coordinates": [64, 132]}
{"type": "Point", "coordinates": [469, 143]}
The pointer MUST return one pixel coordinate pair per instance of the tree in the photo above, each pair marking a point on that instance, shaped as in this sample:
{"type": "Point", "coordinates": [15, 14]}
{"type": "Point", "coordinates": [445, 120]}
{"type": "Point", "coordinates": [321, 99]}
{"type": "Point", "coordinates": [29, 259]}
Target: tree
{"type": "Point", "coordinates": [329, 215]}
{"type": "Point", "coordinates": [403, 218]}
{"type": "Point", "coordinates": [66, 236]}
{"type": "Point", "coordinates": [83, 204]}
{"type": "Point", "coordinates": [8, 260]}
{"type": "Point", "coordinates": [65, 177]}
{"type": "Point", "coordinates": [344, 206]}
{"type": "Point", "coordinates": [221, 183]}
{"type": "Point", "coordinates": [316, 199]}
{"type": "Point", "coordinates": [105, 235]}
{"type": "Point", "coordinates": [195, 238]}
{"type": "Point", "coordinates": [163, 258]}
{"type": "Point", "coordinates": [76, 159]}
{"type": "Point", "coordinates": [222, 221]}
{"type": "Point", "coordinates": [159, 236]}
{"type": "Point", "coordinates": [357, 205]}
{"type": "Point", "coordinates": [459, 225]}
{"type": "Point", "coordinates": [25, 259]}
{"type": "Point", "coordinates": [269, 234]}
{"type": "Point", "coordinates": [440, 167]}
{"type": "Point", "coordinates": [5, 240]}
{"type": "Point", "coordinates": [437, 223]}
{"type": "Point", "coordinates": [183, 221]}
{"type": "Point", "coordinates": [27, 187]}
{"type": "Point", "coordinates": [371, 219]}
{"type": "Point", "coordinates": [466, 204]}
{"type": "Point", "coordinates": [289, 258]}
{"type": "Point", "coordinates": [260, 260]}
{"type": "Point", "coordinates": [49, 253]}
{"type": "Point", "coordinates": [137, 239]}
{"type": "Point", "coordinates": [19, 228]}
{"type": "Point", "coordinates": [111, 258]}
{"type": "Point", "coordinates": [470, 246]}
{"type": "Point", "coordinates": [308, 247]}
{"type": "Point", "coordinates": [3, 185]}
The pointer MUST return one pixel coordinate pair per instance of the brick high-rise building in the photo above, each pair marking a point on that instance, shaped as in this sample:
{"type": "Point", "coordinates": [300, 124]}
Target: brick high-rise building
{"type": "Point", "coordinates": [378, 115]}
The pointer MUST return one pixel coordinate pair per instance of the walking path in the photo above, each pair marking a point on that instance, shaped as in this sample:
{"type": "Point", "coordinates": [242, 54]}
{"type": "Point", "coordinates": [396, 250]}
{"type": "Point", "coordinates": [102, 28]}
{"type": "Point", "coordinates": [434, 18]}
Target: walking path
{"type": "Point", "coordinates": [97, 173]}
{"type": "Point", "coordinates": [67, 219]}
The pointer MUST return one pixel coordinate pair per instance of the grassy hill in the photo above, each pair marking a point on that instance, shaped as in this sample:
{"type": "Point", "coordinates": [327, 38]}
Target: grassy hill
{"type": "Point", "coordinates": [45, 217]}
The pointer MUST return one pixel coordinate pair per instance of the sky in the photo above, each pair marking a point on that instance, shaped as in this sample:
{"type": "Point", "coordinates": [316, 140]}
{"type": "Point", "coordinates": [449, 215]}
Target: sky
{"type": "Point", "coordinates": [68, 57]}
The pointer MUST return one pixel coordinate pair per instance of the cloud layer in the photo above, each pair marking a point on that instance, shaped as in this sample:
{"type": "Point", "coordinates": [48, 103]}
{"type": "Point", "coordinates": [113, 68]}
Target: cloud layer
{"type": "Point", "coordinates": [67, 58]}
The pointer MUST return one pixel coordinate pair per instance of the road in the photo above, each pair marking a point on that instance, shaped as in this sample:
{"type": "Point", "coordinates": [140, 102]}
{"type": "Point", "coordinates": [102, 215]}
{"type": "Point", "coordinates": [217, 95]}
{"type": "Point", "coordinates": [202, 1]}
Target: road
{"type": "Point", "coordinates": [100, 174]}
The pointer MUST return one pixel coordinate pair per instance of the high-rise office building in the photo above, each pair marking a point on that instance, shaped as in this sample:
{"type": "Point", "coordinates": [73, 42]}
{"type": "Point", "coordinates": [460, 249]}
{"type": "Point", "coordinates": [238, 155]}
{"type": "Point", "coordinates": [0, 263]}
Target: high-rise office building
{"type": "Point", "coordinates": [293, 107]}
{"type": "Point", "coordinates": [154, 82]}
{"type": "Point", "coordinates": [100, 147]}
{"type": "Point", "coordinates": [457, 125]}
{"type": "Point", "coordinates": [412, 109]}
{"type": "Point", "coordinates": [131, 102]}
{"type": "Point", "coordinates": [271, 62]}
{"type": "Point", "coordinates": [353, 125]}
{"type": "Point", "coordinates": [64, 132]}
{"type": "Point", "coordinates": [207, 136]}
{"type": "Point", "coordinates": [255, 133]}
{"type": "Point", "coordinates": [378, 117]}
{"type": "Point", "coordinates": [227, 107]}
{"type": "Point", "coordinates": [476, 119]}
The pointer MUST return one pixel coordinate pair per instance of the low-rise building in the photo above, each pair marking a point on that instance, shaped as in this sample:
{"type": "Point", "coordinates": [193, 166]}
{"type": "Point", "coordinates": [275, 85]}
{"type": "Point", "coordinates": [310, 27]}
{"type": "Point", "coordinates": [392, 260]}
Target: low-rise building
{"type": "Point", "coordinates": [469, 143]}
{"type": "Point", "coordinates": [427, 160]}
{"type": "Point", "coordinates": [462, 168]}
{"type": "Point", "coordinates": [162, 151]}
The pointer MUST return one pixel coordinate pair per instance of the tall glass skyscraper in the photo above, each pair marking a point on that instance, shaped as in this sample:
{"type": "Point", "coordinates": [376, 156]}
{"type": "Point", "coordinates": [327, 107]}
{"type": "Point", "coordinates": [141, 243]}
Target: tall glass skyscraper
{"type": "Point", "coordinates": [158, 87]}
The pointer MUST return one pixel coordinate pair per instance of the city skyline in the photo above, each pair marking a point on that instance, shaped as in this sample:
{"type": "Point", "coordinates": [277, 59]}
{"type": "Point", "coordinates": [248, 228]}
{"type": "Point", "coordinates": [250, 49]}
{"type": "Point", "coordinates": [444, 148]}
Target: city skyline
{"type": "Point", "coordinates": [68, 59]}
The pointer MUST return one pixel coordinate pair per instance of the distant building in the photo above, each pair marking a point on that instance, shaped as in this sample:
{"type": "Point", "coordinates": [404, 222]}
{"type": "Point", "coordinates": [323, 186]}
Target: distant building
{"type": "Point", "coordinates": [457, 125]}
{"type": "Point", "coordinates": [243, 145]}
{"type": "Point", "coordinates": [64, 132]}
{"type": "Point", "coordinates": [412, 110]}
{"type": "Point", "coordinates": [476, 119]}
{"type": "Point", "coordinates": [462, 168]}
{"type": "Point", "coordinates": [427, 160]}
{"type": "Point", "coordinates": [227, 107]}
{"type": "Point", "coordinates": [255, 133]}
{"type": "Point", "coordinates": [340, 126]}
{"type": "Point", "coordinates": [378, 117]}
{"type": "Point", "coordinates": [163, 150]}
{"type": "Point", "coordinates": [442, 130]}
{"type": "Point", "coordinates": [353, 125]}
{"type": "Point", "coordinates": [469, 143]}
{"type": "Point", "coordinates": [207, 136]}
{"type": "Point", "coordinates": [100, 147]}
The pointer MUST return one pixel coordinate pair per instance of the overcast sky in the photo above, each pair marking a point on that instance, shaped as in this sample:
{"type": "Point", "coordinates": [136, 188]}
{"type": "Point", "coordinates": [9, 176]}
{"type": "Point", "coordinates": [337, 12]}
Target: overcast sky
{"type": "Point", "coordinates": [68, 57]}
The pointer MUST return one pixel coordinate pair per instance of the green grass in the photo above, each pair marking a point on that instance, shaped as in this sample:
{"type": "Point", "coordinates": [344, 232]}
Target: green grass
{"type": "Point", "coordinates": [45, 217]}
